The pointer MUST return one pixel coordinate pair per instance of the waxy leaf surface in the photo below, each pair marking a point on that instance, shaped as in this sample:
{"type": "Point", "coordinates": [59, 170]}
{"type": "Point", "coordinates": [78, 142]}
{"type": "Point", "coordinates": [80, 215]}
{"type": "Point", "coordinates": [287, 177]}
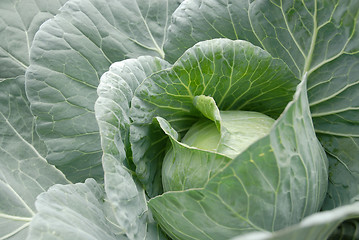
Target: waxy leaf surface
{"type": "Point", "coordinates": [238, 75]}
{"type": "Point", "coordinates": [68, 57]}
{"type": "Point", "coordinates": [318, 38]}
{"type": "Point", "coordinates": [282, 176]}
{"type": "Point", "coordinates": [127, 197]}
{"type": "Point", "coordinates": [24, 173]}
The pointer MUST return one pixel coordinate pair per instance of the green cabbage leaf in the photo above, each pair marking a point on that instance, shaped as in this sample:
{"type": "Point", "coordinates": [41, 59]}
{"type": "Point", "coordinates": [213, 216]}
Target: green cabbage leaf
{"type": "Point", "coordinates": [68, 56]}
{"type": "Point", "coordinates": [24, 171]}
{"type": "Point", "coordinates": [102, 89]}
{"type": "Point", "coordinates": [318, 38]}
{"type": "Point", "coordinates": [285, 171]}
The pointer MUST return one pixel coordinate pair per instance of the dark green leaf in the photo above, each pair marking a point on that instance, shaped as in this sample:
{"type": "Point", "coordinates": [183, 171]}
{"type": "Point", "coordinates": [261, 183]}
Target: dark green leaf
{"type": "Point", "coordinates": [236, 74]}
{"type": "Point", "coordinates": [319, 38]}
{"type": "Point", "coordinates": [282, 176]}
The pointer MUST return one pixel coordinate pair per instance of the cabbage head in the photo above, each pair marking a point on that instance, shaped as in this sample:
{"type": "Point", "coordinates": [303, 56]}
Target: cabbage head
{"type": "Point", "coordinates": [223, 143]}
{"type": "Point", "coordinates": [236, 130]}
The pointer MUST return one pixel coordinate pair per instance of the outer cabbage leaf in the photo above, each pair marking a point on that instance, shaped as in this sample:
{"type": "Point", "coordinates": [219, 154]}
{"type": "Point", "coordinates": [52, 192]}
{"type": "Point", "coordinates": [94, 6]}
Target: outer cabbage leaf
{"type": "Point", "coordinates": [282, 176]}
{"type": "Point", "coordinates": [235, 73]}
{"type": "Point", "coordinates": [347, 230]}
{"type": "Point", "coordinates": [24, 173]}
{"type": "Point", "coordinates": [319, 226]}
{"type": "Point", "coordinates": [68, 56]}
{"type": "Point", "coordinates": [126, 197]}
{"type": "Point", "coordinates": [76, 211]}
{"type": "Point", "coordinates": [19, 21]}
{"type": "Point", "coordinates": [328, 51]}
{"type": "Point", "coordinates": [195, 21]}
{"type": "Point", "coordinates": [342, 186]}
{"type": "Point", "coordinates": [317, 37]}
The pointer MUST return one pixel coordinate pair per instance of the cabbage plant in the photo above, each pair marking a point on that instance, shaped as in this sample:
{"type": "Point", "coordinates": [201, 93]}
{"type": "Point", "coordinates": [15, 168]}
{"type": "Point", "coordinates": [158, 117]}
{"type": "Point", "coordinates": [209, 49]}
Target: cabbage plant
{"type": "Point", "coordinates": [220, 191]}
{"type": "Point", "coordinates": [179, 119]}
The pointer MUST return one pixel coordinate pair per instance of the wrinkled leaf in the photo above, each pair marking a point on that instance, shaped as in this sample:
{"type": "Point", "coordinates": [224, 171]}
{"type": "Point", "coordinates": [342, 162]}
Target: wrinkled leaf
{"type": "Point", "coordinates": [235, 73]}
{"type": "Point", "coordinates": [342, 188]}
{"type": "Point", "coordinates": [19, 21]}
{"type": "Point", "coordinates": [195, 21]}
{"type": "Point", "coordinates": [319, 38]}
{"type": "Point", "coordinates": [76, 211]}
{"type": "Point", "coordinates": [112, 112]}
{"type": "Point", "coordinates": [68, 56]}
{"type": "Point", "coordinates": [24, 173]}
{"type": "Point", "coordinates": [284, 172]}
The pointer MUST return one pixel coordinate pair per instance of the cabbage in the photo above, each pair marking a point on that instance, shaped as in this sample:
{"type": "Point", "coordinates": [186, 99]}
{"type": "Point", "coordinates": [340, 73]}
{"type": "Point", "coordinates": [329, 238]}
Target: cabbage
{"type": "Point", "coordinates": [238, 130]}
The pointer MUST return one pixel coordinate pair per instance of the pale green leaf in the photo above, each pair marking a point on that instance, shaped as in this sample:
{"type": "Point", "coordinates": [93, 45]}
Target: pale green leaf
{"type": "Point", "coordinates": [194, 169]}
{"type": "Point", "coordinates": [207, 106]}
{"type": "Point", "coordinates": [24, 173]}
{"type": "Point", "coordinates": [68, 56]}
{"type": "Point", "coordinates": [77, 211]}
{"type": "Point", "coordinates": [196, 20]}
{"type": "Point", "coordinates": [115, 92]}
{"type": "Point", "coordinates": [19, 21]}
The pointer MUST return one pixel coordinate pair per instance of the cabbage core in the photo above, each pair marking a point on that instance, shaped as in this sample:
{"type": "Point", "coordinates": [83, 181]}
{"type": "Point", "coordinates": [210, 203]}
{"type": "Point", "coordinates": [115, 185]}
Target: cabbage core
{"type": "Point", "coordinates": [188, 168]}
